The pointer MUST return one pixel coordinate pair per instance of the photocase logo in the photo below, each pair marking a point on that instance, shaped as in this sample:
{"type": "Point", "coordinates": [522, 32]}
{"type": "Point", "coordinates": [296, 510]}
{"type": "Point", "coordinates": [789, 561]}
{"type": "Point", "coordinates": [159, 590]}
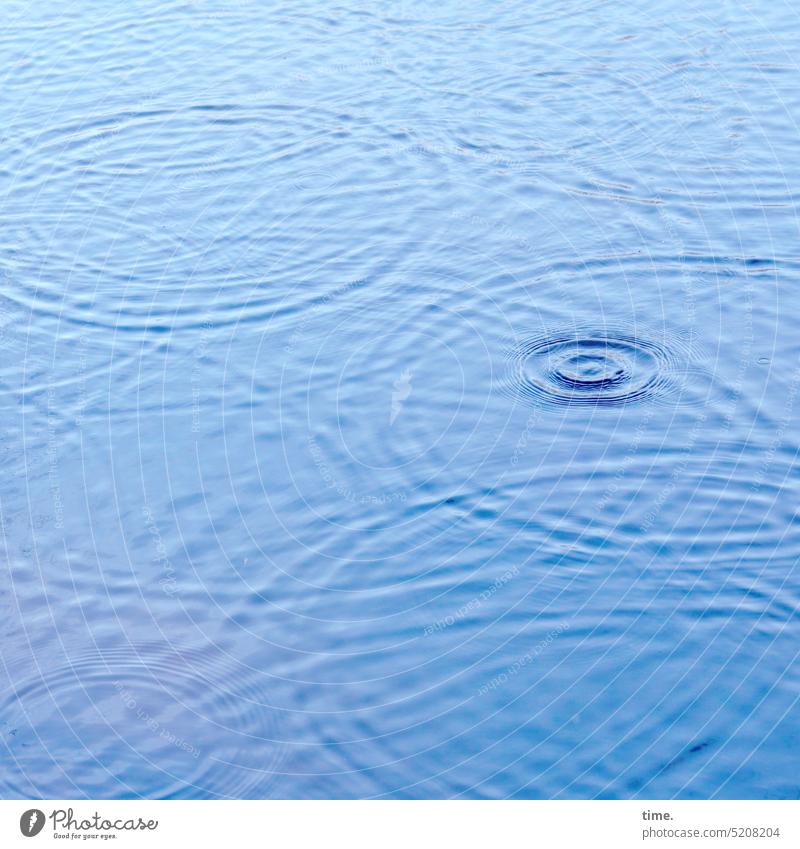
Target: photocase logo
{"type": "Point", "coordinates": [402, 389]}
{"type": "Point", "coordinates": [31, 822]}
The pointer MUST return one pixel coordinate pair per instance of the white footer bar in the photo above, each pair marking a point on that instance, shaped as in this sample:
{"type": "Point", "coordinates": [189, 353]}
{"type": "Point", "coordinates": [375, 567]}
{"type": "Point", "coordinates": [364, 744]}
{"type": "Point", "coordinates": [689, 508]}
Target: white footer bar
{"type": "Point", "coordinates": [403, 825]}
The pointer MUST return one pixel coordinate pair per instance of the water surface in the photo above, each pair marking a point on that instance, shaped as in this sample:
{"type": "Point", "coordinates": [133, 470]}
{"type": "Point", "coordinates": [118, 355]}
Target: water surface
{"type": "Point", "coordinates": [399, 402]}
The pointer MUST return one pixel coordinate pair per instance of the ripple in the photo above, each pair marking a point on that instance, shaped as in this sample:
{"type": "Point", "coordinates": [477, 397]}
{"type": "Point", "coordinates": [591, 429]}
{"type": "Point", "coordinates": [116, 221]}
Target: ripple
{"type": "Point", "coordinates": [144, 721]}
{"type": "Point", "coordinates": [593, 367]}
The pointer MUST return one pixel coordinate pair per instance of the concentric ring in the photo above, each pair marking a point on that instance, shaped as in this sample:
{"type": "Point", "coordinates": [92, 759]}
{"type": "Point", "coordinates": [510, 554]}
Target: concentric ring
{"type": "Point", "coordinates": [593, 367]}
{"type": "Point", "coordinates": [147, 720]}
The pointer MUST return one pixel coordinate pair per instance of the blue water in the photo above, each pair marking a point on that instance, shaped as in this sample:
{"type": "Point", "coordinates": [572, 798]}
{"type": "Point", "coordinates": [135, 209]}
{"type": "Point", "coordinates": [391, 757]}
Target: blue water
{"type": "Point", "coordinates": [400, 401]}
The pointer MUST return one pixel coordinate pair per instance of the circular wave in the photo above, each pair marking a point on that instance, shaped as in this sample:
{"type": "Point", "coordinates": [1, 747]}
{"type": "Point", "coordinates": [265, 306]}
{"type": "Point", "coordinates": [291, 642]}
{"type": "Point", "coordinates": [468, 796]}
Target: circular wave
{"type": "Point", "coordinates": [140, 722]}
{"type": "Point", "coordinates": [592, 367]}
